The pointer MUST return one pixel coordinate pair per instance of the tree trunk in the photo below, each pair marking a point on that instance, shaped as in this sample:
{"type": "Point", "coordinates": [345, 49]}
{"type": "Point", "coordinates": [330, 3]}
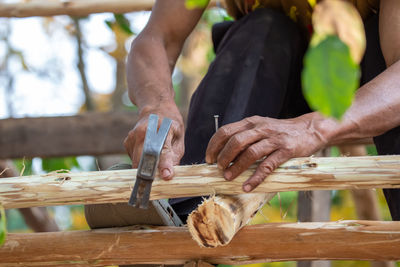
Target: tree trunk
{"type": "Point", "coordinates": [114, 186]}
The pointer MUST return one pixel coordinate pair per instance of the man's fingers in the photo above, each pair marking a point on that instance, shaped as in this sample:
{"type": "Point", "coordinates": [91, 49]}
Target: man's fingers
{"type": "Point", "coordinates": [235, 145]}
{"type": "Point", "coordinates": [136, 154]}
{"type": "Point", "coordinates": [248, 157]}
{"type": "Point", "coordinates": [166, 163]}
{"type": "Point", "coordinates": [219, 139]}
{"type": "Point", "coordinates": [273, 161]}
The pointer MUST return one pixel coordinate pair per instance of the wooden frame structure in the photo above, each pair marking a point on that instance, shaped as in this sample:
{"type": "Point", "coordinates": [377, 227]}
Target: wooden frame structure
{"type": "Point", "coordinates": [343, 240]}
{"type": "Point", "coordinates": [29, 137]}
{"type": "Point", "coordinates": [362, 240]}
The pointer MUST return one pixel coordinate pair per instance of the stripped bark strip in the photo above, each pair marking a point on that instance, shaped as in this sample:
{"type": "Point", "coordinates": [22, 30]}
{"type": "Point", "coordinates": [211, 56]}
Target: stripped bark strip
{"type": "Point", "coordinates": [343, 240]}
{"type": "Point", "coordinates": [200, 180]}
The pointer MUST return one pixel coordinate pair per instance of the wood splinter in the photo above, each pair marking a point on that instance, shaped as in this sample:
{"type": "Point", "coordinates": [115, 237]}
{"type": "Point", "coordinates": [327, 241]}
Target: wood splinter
{"type": "Point", "coordinates": [216, 221]}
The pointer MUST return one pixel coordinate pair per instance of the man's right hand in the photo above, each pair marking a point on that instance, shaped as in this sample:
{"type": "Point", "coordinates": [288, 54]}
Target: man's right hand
{"type": "Point", "coordinates": [173, 149]}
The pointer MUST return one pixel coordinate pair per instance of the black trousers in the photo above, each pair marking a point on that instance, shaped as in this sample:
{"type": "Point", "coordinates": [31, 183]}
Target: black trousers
{"type": "Point", "coordinates": [257, 72]}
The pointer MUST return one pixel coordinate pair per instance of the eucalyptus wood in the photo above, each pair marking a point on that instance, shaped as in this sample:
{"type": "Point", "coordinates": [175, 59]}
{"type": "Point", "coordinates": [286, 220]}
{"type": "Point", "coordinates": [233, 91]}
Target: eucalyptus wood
{"type": "Point", "coordinates": [343, 240]}
{"type": "Point", "coordinates": [200, 180]}
{"type": "Point", "coordinates": [216, 221]}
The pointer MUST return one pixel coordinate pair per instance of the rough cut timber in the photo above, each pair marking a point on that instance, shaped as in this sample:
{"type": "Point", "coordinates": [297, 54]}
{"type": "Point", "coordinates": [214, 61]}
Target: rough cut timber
{"type": "Point", "coordinates": [78, 8]}
{"type": "Point", "coordinates": [87, 134]}
{"type": "Point", "coordinates": [343, 240]}
{"type": "Point", "coordinates": [216, 221]}
{"type": "Point", "coordinates": [200, 180]}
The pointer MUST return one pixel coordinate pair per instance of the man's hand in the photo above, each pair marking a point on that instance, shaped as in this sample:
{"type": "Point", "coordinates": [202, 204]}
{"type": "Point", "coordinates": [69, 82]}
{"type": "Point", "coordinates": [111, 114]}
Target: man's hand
{"type": "Point", "coordinates": [173, 147]}
{"type": "Point", "coordinates": [244, 142]}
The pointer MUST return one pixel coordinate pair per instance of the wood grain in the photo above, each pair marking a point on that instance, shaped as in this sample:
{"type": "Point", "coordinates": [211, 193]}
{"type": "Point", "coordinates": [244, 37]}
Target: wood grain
{"type": "Point", "coordinates": [298, 174]}
{"type": "Point", "coordinates": [344, 240]}
{"type": "Point", "coordinates": [216, 221]}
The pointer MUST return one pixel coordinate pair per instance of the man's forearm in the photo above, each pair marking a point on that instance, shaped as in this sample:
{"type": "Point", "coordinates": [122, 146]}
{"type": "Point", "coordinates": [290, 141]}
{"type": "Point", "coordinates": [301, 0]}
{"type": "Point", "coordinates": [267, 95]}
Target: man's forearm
{"type": "Point", "coordinates": [149, 70]}
{"type": "Point", "coordinates": [375, 110]}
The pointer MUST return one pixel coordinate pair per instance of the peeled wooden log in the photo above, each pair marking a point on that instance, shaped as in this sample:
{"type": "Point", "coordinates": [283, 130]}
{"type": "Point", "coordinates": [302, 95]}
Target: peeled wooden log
{"type": "Point", "coordinates": [200, 180]}
{"type": "Point", "coordinates": [73, 7]}
{"type": "Point", "coordinates": [365, 200]}
{"type": "Point", "coordinates": [216, 221]}
{"type": "Point", "coordinates": [343, 240]}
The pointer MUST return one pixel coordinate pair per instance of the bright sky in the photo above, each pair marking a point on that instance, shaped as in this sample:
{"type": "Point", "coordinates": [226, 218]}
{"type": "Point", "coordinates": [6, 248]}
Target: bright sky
{"type": "Point", "coordinates": [59, 94]}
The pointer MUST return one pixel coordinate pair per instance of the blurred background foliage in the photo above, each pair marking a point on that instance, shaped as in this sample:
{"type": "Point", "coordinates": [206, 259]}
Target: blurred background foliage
{"type": "Point", "coordinates": [192, 65]}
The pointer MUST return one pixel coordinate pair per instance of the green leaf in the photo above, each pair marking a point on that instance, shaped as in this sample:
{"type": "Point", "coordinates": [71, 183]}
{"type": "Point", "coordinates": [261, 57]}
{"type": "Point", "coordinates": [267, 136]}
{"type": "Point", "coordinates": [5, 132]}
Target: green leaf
{"type": "Point", "coordinates": [192, 4]}
{"type": "Point", "coordinates": [330, 77]}
{"type": "Point", "coordinates": [123, 23]}
{"type": "Point", "coordinates": [55, 164]}
{"type": "Point", "coordinates": [3, 229]}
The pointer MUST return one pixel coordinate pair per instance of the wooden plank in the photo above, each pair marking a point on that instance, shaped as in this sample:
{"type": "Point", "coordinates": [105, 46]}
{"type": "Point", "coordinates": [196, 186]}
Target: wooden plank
{"type": "Point", "coordinates": [77, 8]}
{"type": "Point", "coordinates": [86, 134]}
{"type": "Point", "coordinates": [344, 240]}
{"type": "Point", "coordinates": [113, 186]}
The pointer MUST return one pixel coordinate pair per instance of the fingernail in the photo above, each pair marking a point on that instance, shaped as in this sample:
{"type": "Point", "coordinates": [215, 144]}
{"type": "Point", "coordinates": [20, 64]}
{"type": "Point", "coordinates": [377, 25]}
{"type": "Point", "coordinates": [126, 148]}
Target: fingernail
{"type": "Point", "coordinates": [166, 173]}
{"type": "Point", "coordinates": [228, 175]}
{"type": "Point", "coordinates": [208, 160]}
{"type": "Point", "coordinates": [247, 188]}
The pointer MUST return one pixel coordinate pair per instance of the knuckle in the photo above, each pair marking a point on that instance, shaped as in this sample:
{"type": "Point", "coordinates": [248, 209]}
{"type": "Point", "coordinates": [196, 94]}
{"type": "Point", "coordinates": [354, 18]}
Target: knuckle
{"type": "Point", "coordinates": [223, 131]}
{"type": "Point", "coordinates": [252, 152]}
{"type": "Point", "coordinates": [267, 167]}
{"type": "Point", "coordinates": [235, 141]}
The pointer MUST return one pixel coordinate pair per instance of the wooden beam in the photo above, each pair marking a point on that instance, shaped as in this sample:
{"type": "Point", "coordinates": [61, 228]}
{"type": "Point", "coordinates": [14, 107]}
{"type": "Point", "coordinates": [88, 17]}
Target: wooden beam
{"type": "Point", "coordinates": [298, 174]}
{"type": "Point", "coordinates": [86, 134]}
{"type": "Point", "coordinates": [343, 240]}
{"type": "Point", "coordinates": [76, 8]}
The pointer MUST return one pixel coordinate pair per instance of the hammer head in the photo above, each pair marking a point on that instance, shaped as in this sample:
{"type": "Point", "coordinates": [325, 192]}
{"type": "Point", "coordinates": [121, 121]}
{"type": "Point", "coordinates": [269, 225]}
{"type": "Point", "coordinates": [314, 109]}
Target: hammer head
{"type": "Point", "coordinates": [153, 144]}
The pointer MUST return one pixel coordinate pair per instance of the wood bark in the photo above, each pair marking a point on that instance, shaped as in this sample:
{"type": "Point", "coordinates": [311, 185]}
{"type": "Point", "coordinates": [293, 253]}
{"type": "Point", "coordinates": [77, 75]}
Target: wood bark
{"type": "Point", "coordinates": [113, 186]}
{"type": "Point", "coordinates": [216, 221]}
{"type": "Point", "coordinates": [343, 240]}
{"type": "Point", "coordinates": [77, 8]}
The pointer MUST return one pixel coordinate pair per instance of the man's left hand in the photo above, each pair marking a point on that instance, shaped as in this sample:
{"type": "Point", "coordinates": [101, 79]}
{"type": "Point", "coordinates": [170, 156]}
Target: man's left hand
{"type": "Point", "coordinates": [278, 140]}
